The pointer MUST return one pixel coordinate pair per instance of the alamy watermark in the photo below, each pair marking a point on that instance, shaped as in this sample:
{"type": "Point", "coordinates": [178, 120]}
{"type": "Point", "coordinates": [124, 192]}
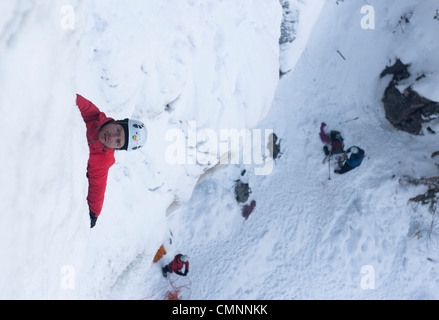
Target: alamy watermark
{"type": "Point", "coordinates": [368, 280]}
{"type": "Point", "coordinates": [68, 277]}
{"type": "Point", "coordinates": [232, 146]}
{"type": "Point", "coordinates": [368, 20]}
{"type": "Point", "coordinates": [68, 17]}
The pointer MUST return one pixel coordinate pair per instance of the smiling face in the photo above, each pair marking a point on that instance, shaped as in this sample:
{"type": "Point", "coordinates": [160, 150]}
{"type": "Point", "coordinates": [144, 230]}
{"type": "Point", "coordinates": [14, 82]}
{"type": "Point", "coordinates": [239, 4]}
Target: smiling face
{"type": "Point", "coordinates": [112, 136]}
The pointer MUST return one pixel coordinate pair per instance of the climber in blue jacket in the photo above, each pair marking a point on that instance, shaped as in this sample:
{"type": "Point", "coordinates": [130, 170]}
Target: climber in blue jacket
{"type": "Point", "coordinates": [354, 160]}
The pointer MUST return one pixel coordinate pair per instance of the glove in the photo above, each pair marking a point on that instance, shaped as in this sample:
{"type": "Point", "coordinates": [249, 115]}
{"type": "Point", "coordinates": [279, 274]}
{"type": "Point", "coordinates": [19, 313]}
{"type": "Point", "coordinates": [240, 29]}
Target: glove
{"type": "Point", "coordinates": [93, 219]}
{"type": "Point", "coordinates": [185, 273]}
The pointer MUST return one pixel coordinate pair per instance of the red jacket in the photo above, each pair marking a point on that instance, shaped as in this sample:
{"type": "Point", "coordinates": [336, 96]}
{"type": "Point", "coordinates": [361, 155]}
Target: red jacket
{"type": "Point", "coordinates": [178, 265]}
{"type": "Point", "coordinates": [101, 158]}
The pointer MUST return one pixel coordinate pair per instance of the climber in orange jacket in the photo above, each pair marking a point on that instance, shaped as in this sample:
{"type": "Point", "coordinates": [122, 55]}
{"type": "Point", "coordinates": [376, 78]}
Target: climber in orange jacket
{"type": "Point", "coordinates": [104, 136]}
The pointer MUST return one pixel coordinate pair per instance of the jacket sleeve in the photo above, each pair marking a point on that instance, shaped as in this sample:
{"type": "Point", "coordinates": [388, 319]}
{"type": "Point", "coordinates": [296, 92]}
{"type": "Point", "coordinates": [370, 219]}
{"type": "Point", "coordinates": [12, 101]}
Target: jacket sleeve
{"type": "Point", "coordinates": [97, 173]}
{"type": "Point", "coordinates": [88, 110]}
{"type": "Point", "coordinates": [323, 136]}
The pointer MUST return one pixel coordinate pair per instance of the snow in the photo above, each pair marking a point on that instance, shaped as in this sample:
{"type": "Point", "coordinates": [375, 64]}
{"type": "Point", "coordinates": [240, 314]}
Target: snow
{"type": "Point", "coordinates": [131, 61]}
{"type": "Point", "coordinates": [214, 65]}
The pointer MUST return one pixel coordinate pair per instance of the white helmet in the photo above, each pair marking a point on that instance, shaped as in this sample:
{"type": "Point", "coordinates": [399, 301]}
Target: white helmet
{"type": "Point", "coordinates": [355, 150]}
{"type": "Point", "coordinates": [136, 135]}
{"type": "Point", "coordinates": [184, 258]}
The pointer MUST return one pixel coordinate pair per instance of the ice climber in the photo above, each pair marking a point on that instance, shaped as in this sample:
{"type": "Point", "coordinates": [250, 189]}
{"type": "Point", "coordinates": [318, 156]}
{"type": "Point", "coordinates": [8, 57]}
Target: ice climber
{"type": "Point", "coordinates": [332, 139]}
{"type": "Point", "coordinates": [354, 160]}
{"type": "Point", "coordinates": [104, 136]}
{"type": "Point", "coordinates": [180, 261]}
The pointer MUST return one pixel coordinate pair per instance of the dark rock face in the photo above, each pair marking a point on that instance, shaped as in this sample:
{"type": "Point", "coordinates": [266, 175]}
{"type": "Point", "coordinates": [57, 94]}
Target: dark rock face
{"type": "Point", "coordinates": [399, 71]}
{"type": "Point", "coordinates": [406, 110]}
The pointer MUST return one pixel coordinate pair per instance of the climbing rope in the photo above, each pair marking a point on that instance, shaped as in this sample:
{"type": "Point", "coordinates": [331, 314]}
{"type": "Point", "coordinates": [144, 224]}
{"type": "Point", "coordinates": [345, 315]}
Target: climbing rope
{"type": "Point", "coordinates": [174, 293]}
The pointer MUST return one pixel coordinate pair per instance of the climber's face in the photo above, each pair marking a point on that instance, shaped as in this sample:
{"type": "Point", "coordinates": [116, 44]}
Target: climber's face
{"type": "Point", "coordinates": [112, 136]}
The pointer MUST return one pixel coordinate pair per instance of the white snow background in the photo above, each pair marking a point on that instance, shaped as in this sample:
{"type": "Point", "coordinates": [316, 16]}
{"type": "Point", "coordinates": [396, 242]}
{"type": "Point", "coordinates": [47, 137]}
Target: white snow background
{"type": "Point", "coordinates": [216, 63]}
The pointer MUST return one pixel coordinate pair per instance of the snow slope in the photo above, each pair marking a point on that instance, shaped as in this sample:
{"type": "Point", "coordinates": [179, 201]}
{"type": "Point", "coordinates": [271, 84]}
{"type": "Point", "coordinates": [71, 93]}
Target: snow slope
{"type": "Point", "coordinates": [216, 63]}
{"type": "Point", "coordinates": [354, 236]}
